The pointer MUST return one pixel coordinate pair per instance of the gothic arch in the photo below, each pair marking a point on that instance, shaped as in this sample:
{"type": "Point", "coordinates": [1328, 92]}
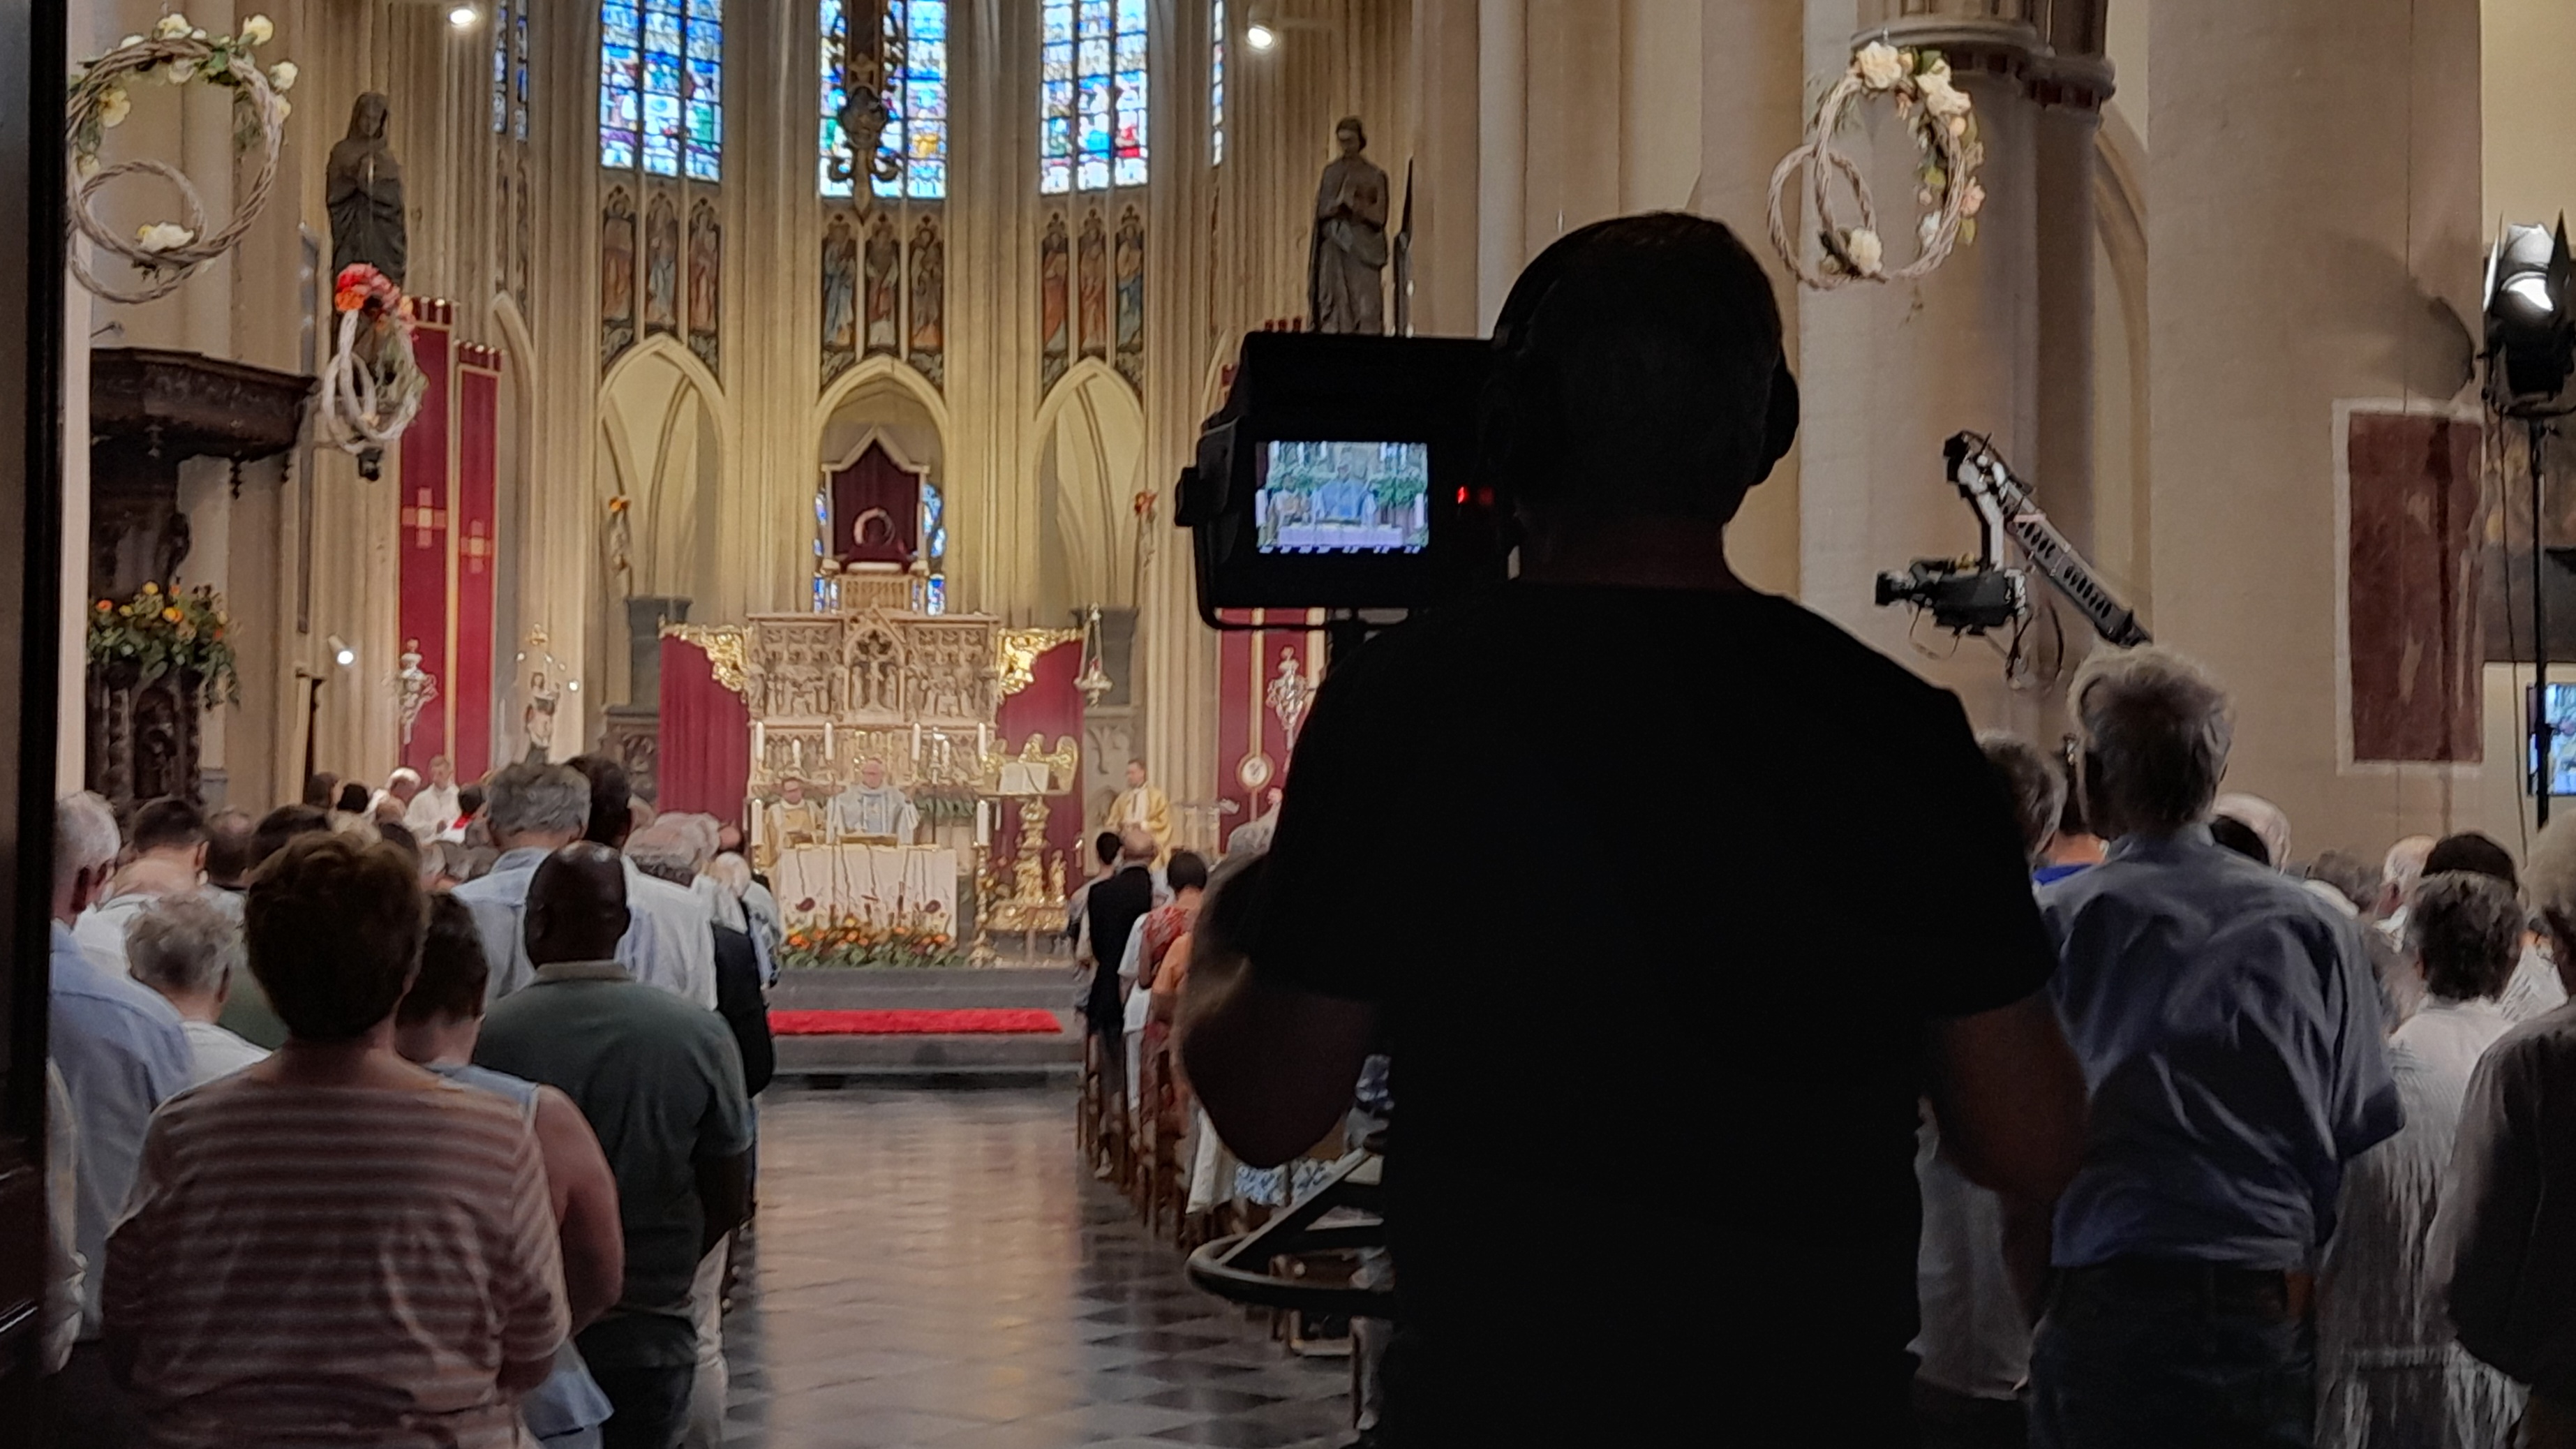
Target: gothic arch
{"type": "Point", "coordinates": [1086, 455]}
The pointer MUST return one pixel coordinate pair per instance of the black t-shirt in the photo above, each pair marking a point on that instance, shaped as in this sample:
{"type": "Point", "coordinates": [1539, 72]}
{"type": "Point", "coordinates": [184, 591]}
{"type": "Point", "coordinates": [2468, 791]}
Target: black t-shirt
{"type": "Point", "coordinates": [1656, 892]}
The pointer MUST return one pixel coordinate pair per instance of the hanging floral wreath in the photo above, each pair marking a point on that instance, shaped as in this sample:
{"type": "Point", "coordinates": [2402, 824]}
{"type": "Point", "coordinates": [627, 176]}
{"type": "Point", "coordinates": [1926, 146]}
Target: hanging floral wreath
{"type": "Point", "coordinates": [169, 253]}
{"type": "Point", "coordinates": [1944, 125]}
{"type": "Point", "coordinates": [372, 385]}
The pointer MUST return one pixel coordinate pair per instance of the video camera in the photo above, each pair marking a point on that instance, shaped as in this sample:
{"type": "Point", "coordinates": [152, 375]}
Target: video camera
{"type": "Point", "coordinates": [1970, 598]}
{"type": "Point", "coordinates": [1342, 473]}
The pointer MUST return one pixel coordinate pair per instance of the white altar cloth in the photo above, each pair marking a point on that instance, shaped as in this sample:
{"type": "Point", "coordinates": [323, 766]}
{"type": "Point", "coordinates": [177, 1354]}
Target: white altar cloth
{"type": "Point", "coordinates": [881, 883]}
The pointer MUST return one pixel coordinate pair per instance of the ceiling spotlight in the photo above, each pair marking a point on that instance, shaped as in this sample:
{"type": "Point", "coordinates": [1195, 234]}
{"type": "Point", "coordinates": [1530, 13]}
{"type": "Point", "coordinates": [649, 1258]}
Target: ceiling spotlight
{"type": "Point", "coordinates": [341, 653]}
{"type": "Point", "coordinates": [2530, 316]}
{"type": "Point", "coordinates": [1260, 37]}
{"type": "Point", "coordinates": [573, 684]}
{"type": "Point", "coordinates": [461, 17]}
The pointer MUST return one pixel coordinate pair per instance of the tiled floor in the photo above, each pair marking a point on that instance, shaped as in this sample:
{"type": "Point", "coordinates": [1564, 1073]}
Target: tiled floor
{"type": "Point", "coordinates": [934, 1269]}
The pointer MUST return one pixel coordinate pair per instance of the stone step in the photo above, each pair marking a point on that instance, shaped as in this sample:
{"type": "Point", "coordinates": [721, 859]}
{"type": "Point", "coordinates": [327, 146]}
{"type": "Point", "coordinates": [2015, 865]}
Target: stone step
{"type": "Point", "coordinates": [966, 1056]}
{"type": "Point", "coordinates": [904, 988]}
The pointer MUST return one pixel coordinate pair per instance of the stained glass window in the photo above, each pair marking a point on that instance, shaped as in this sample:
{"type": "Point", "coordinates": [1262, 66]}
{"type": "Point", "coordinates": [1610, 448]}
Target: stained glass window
{"type": "Point", "coordinates": [1091, 95]}
{"type": "Point", "coordinates": [1216, 87]}
{"type": "Point", "coordinates": [661, 86]}
{"type": "Point", "coordinates": [510, 69]}
{"type": "Point", "coordinates": [917, 125]}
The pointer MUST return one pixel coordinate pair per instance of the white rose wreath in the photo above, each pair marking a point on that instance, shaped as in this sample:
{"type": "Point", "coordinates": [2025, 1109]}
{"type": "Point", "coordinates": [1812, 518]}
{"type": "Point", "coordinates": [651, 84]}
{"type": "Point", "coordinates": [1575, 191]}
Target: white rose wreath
{"type": "Point", "coordinates": [372, 384]}
{"type": "Point", "coordinates": [1945, 131]}
{"type": "Point", "coordinates": [176, 52]}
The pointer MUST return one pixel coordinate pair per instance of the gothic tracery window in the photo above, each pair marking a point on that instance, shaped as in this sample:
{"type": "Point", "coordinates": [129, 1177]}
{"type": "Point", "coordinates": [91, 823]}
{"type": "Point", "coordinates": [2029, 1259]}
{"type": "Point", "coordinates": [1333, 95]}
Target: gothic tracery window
{"type": "Point", "coordinates": [661, 87]}
{"type": "Point", "coordinates": [510, 69]}
{"type": "Point", "coordinates": [1216, 86]}
{"type": "Point", "coordinates": [1091, 95]}
{"type": "Point", "coordinates": [916, 127]}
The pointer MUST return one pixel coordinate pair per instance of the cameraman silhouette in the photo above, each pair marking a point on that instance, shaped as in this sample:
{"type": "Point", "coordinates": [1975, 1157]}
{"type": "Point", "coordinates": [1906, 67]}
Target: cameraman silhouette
{"type": "Point", "coordinates": [1694, 901]}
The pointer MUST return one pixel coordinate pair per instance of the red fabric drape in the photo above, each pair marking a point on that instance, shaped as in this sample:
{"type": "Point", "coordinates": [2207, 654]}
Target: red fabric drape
{"type": "Point", "coordinates": [875, 485]}
{"type": "Point", "coordinates": [1050, 707]}
{"type": "Point", "coordinates": [426, 509]}
{"type": "Point", "coordinates": [705, 750]}
{"type": "Point", "coordinates": [469, 687]}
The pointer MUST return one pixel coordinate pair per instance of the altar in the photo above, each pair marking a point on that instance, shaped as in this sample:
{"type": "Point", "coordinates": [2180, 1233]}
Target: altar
{"type": "Point", "coordinates": [880, 884]}
{"type": "Point", "coordinates": [877, 775]}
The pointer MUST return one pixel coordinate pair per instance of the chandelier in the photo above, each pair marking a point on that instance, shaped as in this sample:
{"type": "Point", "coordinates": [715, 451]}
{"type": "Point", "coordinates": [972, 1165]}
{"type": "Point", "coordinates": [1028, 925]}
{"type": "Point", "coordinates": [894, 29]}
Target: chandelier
{"type": "Point", "coordinates": [867, 90]}
{"type": "Point", "coordinates": [1093, 681]}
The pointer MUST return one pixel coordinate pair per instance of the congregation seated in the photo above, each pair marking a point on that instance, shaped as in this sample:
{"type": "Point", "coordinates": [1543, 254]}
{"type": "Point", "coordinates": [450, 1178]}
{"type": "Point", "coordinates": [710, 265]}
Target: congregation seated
{"type": "Point", "coordinates": [189, 948]}
{"type": "Point", "coordinates": [334, 1245]}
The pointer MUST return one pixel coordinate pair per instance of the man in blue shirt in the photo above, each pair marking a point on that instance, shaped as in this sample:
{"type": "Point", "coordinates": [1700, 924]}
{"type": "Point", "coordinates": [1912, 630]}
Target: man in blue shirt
{"type": "Point", "coordinates": [2229, 1030]}
{"type": "Point", "coordinates": [121, 1052]}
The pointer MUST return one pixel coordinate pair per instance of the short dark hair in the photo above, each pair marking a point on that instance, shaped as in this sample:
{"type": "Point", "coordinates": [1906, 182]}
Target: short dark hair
{"type": "Point", "coordinates": [1649, 347]}
{"type": "Point", "coordinates": [282, 825]}
{"type": "Point", "coordinates": [168, 821]}
{"type": "Point", "coordinates": [2030, 784]}
{"type": "Point", "coordinates": [453, 969]}
{"type": "Point", "coordinates": [334, 925]}
{"type": "Point", "coordinates": [2472, 852]}
{"type": "Point", "coordinates": [1187, 871]}
{"type": "Point", "coordinates": [230, 847]}
{"type": "Point", "coordinates": [469, 800]}
{"type": "Point", "coordinates": [353, 798]}
{"type": "Point", "coordinates": [1105, 845]}
{"type": "Point", "coordinates": [399, 836]}
{"type": "Point", "coordinates": [2238, 836]}
{"type": "Point", "coordinates": [2466, 927]}
{"type": "Point", "coordinates": [612, 799]}
{"type": "Point", "coordinates": [319, 787]}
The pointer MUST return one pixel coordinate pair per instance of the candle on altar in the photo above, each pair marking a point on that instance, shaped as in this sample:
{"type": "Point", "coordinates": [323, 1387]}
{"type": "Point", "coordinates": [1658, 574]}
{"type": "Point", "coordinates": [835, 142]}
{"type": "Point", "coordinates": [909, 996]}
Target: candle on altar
{"type": "Point", "coordinates": [827, 742]}
{"type": "Point", "coordinates": [982, 732]}
{"type": "Point", "coordinates": [759, 744]}
{"type": "Point", "coordinates": [983, 822]}
{"type": "Point", "coordinates": [916, 743]}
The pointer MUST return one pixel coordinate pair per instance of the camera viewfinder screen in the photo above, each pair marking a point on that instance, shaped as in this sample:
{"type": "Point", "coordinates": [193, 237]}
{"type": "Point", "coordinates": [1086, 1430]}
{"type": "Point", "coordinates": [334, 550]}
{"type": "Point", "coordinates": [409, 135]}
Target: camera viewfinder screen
{"type": "Point", "coordinates": [1341, 497]}
{"type": "Point", "coordinates": [2553, 740]}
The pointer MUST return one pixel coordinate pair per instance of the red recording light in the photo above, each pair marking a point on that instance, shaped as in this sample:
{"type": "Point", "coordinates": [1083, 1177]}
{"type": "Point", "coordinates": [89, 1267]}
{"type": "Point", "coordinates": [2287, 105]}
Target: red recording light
{"type": "Point", "coordinates": [1462, 497]}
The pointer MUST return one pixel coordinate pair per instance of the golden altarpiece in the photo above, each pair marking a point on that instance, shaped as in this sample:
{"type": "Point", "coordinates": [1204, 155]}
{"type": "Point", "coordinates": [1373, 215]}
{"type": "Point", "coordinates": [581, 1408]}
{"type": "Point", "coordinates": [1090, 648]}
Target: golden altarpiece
{"type": "Point", "coordinates": [871, 691]}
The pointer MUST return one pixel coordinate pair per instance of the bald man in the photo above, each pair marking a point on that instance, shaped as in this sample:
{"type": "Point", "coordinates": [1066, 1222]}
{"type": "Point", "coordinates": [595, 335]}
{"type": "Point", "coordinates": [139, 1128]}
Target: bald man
{"type": "Point", "coordinates": [660, 1081]}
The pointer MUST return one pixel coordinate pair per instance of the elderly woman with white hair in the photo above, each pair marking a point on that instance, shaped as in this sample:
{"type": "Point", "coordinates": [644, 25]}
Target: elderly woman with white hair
{"type": "Point", "coordinates": [2228, 1025]}
{"type": "Point", "coordinates": [2503, 1257]}
{"type": "Point", "coordinates": [189, 948]}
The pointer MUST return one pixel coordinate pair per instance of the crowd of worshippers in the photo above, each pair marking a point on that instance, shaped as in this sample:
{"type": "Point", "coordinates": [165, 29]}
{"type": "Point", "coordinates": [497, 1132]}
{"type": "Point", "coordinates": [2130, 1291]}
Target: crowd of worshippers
{"type": "Point", "coordinates": [2326, 1193]}
{"type": "Point", "coordinates": [413, 1115]}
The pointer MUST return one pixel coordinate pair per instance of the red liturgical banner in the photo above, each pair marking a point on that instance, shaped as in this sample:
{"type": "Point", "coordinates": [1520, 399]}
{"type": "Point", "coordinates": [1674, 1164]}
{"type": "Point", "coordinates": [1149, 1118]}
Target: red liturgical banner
{"type": "Point", "coordinates": [1253, 707]}
{"type": "Point", "coordinates": [427, 510]}
{"type": "Point", "coordinates": [447, 537]}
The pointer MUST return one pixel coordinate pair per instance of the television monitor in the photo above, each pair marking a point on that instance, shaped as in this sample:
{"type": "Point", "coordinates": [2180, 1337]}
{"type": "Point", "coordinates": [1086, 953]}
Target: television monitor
{"type": "Point", "coordinates": [1317, 495]}
{"type": "Point", "coordinates": [2552, 737]}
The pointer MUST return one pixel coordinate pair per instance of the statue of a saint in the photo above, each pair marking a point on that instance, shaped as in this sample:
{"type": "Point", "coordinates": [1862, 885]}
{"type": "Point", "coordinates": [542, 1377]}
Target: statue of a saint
{"type": "Point", "coordinates": [363, 187]}
{"type": "Point", "coordinates": [1344, 292]}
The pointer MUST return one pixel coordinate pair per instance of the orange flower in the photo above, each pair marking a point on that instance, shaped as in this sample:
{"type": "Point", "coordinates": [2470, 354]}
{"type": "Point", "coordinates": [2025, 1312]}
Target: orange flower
{"type": "Point", "coordinates": [106, 606]}
{"type": "Point", "coordinates": [172, 614]}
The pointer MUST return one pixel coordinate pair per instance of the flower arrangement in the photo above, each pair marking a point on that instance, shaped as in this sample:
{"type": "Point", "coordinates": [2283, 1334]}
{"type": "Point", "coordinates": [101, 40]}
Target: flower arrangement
{"type": "Point", "coordinates": [850, 941]}
{"type": "Point", "coordinates": [1942, 120]}
{"type": "Point", "coordinates": [160, 630]}
{"type": "Point", "coordinates": [372, 386]}
{"type": "Point", "coordinates": [167, 253]}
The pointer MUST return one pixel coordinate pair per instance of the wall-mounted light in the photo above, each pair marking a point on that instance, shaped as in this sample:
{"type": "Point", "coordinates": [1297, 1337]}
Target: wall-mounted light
{"type": "Point", "coordinates": [1260, 36]}
{"type": "Point", "coordinates": [341, 653]}
{"type": "Point", "coordinates": [461, 17]}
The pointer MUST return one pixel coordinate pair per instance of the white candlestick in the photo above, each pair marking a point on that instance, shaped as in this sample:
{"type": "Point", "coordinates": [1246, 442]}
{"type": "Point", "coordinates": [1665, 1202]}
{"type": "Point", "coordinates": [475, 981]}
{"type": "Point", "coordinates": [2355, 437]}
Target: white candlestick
{"type": "Point", "coordinates": [759, 745]}
{"type": "Point", "coordinates": [982, 732]}
{"type": "Point", "coordinates": [983, 822]}
{"type": "Point", "coordinates": [827, 742]}
{"type": "Point", "coordinates": [916, 743]}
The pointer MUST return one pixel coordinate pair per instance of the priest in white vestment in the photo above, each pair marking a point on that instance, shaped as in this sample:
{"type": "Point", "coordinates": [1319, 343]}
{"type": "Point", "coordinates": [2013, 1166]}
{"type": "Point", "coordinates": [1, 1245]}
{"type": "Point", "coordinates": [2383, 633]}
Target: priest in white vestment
{"type": "Point", "coordinates": [874, 808]}
{"type": "Point", "coordinates": [434, 807]}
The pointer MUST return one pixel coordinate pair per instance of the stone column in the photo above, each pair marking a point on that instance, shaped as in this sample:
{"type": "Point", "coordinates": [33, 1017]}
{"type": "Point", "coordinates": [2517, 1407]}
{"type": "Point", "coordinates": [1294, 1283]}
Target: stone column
{"type": "Point", "coordinates": [1750, 117]}
{"type": "Point", "coordinates": [1893, 370]}
{"type": "Point", "coordinates": [1502, 152]}
{"type": "Point", "coordinates": [2280, 288]}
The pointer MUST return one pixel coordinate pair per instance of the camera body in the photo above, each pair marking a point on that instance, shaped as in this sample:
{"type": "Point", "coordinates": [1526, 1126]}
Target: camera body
{"type": "Point", "coordinates": [1966, 597]}
{"type": "Point", "coordinates": [1343, 472]}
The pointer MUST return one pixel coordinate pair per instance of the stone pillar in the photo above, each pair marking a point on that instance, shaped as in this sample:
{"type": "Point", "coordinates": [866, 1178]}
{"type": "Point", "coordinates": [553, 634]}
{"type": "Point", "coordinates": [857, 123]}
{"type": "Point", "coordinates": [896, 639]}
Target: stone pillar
{"type": "Point", "coordinates": [2280, 288]}
{"type": "Point", "coordinates": [1749, 119]}
{"type": "Point", "coordinates": [1893, 370]}
{"type": "Point", "coordinates": [1447, 117]}
{"type": "Point", "coordinates": [1502, 152]}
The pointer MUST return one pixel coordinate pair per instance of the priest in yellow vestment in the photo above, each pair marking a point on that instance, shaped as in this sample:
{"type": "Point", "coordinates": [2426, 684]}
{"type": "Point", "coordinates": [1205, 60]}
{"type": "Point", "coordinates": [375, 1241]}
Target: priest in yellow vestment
{"type": "Point", "coordinates": [791, 819]}
{"type": "Point", "coordinates": [1142, 803]}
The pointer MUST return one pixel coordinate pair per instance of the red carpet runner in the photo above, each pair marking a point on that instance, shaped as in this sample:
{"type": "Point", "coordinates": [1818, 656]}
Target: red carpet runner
{"type": "Point", "coordinates": [972, 1021]}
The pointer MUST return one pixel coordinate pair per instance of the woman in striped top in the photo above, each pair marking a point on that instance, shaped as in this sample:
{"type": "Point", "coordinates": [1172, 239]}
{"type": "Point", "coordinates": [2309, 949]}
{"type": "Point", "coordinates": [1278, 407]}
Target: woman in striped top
{"type": "Point", "coordinates": [335, 1246]}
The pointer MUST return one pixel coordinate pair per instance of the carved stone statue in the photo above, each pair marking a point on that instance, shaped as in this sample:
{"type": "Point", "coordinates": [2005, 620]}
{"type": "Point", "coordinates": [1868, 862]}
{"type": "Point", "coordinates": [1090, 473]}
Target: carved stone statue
{"type": "Point", "coordinates": [1344, 291]}
{"type": "Point", "coordinates": [363, 187]}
